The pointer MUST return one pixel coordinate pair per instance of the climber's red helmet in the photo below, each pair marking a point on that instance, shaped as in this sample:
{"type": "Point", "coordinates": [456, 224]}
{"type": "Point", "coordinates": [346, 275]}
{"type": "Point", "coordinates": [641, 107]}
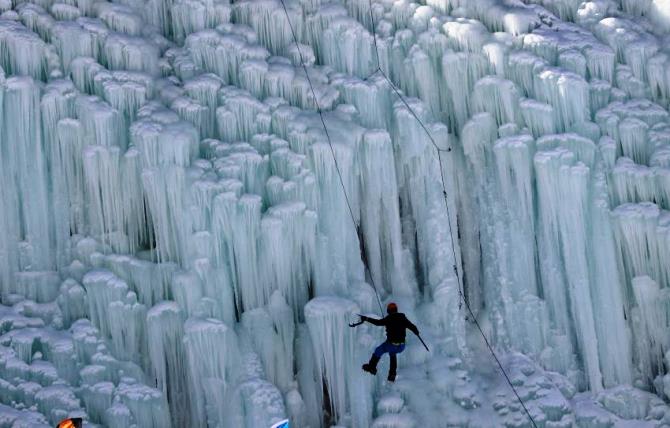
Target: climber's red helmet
{"type": "Point", "coordinates": [391, 308]}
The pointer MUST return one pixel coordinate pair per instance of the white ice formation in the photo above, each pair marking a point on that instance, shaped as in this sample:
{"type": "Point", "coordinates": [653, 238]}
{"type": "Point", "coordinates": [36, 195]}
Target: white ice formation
{"type": "Point", "coordinates": [176, 248]}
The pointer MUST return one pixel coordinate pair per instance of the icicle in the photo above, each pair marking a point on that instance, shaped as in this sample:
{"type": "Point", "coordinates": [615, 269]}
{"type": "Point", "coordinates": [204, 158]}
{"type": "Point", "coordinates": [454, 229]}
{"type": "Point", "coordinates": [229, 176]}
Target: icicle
{"type": "Point", "coordinates": [259, 404]}
{"type": "Point", "coordinates": [72, 301]}
{"type": "Point", "coordinates": [64, 142]}
{"type": "Point", "coordinates": [573, 61]}
{"type": "Point", "coordinates": [211, 353]}
{"type": "Point", "coordinates": [25, 52]}
{"type": "Point", "coordinates": [9, 216]}
{"type": "Point", "coordinates": [522, 68]}
{"type": "Point", "coordinates": [497, 96]}
{"type": "Point", "coordinates": [641, 232]}
{"type": "Point", "coordinates": [380, 214]}
{"type": "Point", "coordinates": [165, 144]}
{"type": "Point", "coordinates": [349, 47]}
{"type": "Point", "coordinates": [461, 70]}
{"type": "Point", "coordinates": [119, 18]}
{"type": "Point", "coordinates": [82, 71]}
{"type": "Point", "coordinates": [447, 318]}
{"type": "Point", "coordinates": [649, 326]}
{"type": "Point", "coordinates": [72, 41]}
{"type": "Point", "coordinates": [309, 381]}
{"type": "Point", "coordinates": [278, 81]}
{"type": "Point", "coordinates": [288, 250]}
{"type": "Point", "coordinates": [151, 281]}
{"type": "Point", "coordinates": [236, 227]}
{"type": "Point", "coordinates": [466, 34]}
{"type": "Point", "coordinates": [270, 23]}
{"type": "Point", "coordinates": [97, 398]}
{"type": "Point", "coordinates": [258, 323]}
{"type": "Point", "coordinates": [335, 221]}
{"type": "Point", "coordinates": [476, 137]}
{"type": "Point", "coordinates": [557, 174]}
{"type": "Point", "coordinates": [204, 89]}
{"type": "Point", "coordinates": [164, 189]}
{"type": "Point", "coordinates": [600, 62]}
{"type": "Point", "coordinates": [333, 345]}
{"type": "Point", "coordinates": [243, 163]}
{"type": "Point", "coordinates": [600, 92]}
{"type": "Point", "coordinates": [659, 80]}
{"type": "Point", "coordinates": [198, 115]}
{"type": "Point", "coordinates": [129, 337]}
{"type": "Point", "coordinates": [237, 119]}
{"type": "Point", "coordinates": [539, 117]}
{"type": "Point", "coordinates": [608, 293]}
{"type": "Point", "coordinates": [102, 288]}
{"type": "Point", "coordinates": [102, 171]}
{"type": "Point", "coordinates": [428, 83]}
{"type": "Point", "coordinates": [217, 288]}
{"type": "Point", "coordinates": [203, 46]}
{"type": "Point", "coordinates": [118, 414]}
{"type": "Point", "coordinates": [372, 98]}
{"type": "Point", "coordinates": [24, 160]}
{"type": "Point", "coordinates": [165, 331]}
{"type": "Point", "coordinates": [567, 93]}
{"type": "Point", "coordinates": [123, 52]}
{"type": "Point", "coordinates": [70, 168]}
{"type": "Point", "coordinates": [633, 138]}
{"type": "Point", "coordinates": [103, 125]}
{"type": "Point", "coordinates": [187, 291]}
{"type": "Point", "coordinates": [252, 74]}
{"type": "Point", "coordinates": [583, 148]}
{"type": "Point", "coordinates": [125, 91]}
{"type": "Point", "coordinates": [513, 159]}
{"type": "Point", "coordinates": [41, 286]}
{"type": "Point", "coordinates": [147, 405]}
{"type": "Point", "coordinates": [529, 325]}
{"type": "Point", "coordinates": [282, 318]}
{"type": "Point", "coordinates": [190, 16]}
{"type": "Point", "coordinates": [420, 190]}
{"type": "Point", "coordinates": [203, 193]}
{"type": "Point", "coordinates": [135, 214]}
{"type": "Point", "coordinates": [631, 86]}
{"type": "Point", "coordinates": [632, 182]}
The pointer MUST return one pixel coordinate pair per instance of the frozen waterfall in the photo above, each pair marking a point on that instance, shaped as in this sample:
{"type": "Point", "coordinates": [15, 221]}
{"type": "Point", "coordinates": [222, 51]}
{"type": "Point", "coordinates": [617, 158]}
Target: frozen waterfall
{"type": "Point", "coordinates": [194, 205]}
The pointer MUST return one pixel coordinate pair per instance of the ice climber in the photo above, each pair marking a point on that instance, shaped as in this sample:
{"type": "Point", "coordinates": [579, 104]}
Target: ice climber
{"type": "Point", "coordinates": [395, 323]}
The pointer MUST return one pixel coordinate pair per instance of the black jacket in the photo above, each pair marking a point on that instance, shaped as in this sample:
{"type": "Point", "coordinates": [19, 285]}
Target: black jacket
{"type": "Point", "coordinates": [395, 326]}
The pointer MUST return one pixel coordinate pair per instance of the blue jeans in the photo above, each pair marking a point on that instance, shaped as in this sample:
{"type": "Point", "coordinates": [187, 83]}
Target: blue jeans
{"type": "Point", "coordinates": [390, 348]}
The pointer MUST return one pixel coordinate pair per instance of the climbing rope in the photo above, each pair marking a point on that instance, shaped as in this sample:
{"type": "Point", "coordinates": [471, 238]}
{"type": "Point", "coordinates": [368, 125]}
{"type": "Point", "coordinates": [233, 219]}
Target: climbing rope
{"type": "Point", "coordinates": [330, 144]}
{"type": "Point", "coordinates": [442, 180]}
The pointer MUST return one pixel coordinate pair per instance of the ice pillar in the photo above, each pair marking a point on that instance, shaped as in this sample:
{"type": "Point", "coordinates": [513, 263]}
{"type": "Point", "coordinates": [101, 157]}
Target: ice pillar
{"type": "Point", "coordinates": [333, 344]}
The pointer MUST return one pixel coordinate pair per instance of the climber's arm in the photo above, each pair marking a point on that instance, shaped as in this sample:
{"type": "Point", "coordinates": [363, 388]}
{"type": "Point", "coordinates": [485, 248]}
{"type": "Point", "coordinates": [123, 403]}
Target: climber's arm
{"type": "Point", "coordinates": [374, 320]}
{"type": "Point", "coordinates": [411, 327]}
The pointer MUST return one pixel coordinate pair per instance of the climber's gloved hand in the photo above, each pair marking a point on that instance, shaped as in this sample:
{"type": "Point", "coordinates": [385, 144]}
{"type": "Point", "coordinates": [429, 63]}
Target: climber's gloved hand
{"type": "Point", "coordinates": [364, 318]}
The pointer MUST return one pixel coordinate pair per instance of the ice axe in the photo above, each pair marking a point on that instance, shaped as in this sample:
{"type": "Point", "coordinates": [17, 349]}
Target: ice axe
{"type": "Point", "coordinates": [423, 343]}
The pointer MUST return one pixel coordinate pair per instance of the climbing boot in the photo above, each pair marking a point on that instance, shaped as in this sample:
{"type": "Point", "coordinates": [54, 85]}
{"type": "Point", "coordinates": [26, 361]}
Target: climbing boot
{"type": "Point", "coordinates": [391, 377]}
{"type": "Point", "coordinates": [371, 367]}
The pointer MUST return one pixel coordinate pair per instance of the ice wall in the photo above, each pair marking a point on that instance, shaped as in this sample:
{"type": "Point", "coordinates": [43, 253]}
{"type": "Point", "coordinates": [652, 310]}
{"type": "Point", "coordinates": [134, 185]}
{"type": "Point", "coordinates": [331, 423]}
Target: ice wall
{"type": "Point", "coordinates": [178, 244]}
